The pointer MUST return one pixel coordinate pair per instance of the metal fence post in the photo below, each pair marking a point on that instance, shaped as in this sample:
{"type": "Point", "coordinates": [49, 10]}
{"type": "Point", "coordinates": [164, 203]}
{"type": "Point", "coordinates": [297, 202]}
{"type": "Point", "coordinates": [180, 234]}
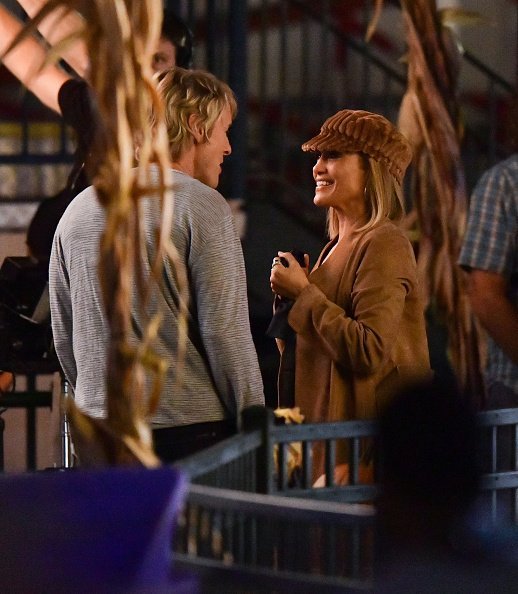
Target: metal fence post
{"type": "Point", "coordinates": [67, 458]}
{"type": "Point", "coordinates": [260, 418]}
{"type": "Point", "coordinates": [2, 428]}
{"type": "Point", "coordinates": [238, 81]}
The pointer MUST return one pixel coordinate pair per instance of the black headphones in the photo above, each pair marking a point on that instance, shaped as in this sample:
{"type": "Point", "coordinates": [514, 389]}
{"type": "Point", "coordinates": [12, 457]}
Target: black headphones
{"type": "Point", "coordinates": [178, 33]}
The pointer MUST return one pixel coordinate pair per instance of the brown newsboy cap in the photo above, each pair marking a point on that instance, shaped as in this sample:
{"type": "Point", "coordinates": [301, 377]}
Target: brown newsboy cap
{"type": "Point", "coordinates": [362, 131]}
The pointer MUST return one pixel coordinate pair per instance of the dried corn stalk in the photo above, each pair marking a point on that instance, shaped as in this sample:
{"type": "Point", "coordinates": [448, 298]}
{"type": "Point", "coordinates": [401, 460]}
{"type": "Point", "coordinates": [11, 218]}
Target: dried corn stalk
{"type": "Point", "coordinates": [121, 36]}
{"type": "Point", "coordinates": [429, 117]}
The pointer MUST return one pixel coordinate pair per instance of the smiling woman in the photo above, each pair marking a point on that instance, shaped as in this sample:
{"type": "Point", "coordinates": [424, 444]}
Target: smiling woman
{"type": "Point", "coordinates": [340, 183]}
{"type": "Point", "coordinates": [358, 315]}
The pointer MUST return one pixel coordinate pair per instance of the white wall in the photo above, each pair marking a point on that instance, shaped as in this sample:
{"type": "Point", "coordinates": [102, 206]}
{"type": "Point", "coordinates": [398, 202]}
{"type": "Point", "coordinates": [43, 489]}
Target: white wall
{"type": "Point", "coordinates": [494, 42]}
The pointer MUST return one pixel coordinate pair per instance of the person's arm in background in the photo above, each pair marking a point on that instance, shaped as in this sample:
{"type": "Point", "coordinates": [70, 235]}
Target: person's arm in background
{"type": "Point", "coordinates": [497, 314]}
{"type": "Point", "coordinates": [488, 254]}
{"type": "Point", "coordinates": [26, 61]}
{"type": "Point", "coordinates": [56, 27]}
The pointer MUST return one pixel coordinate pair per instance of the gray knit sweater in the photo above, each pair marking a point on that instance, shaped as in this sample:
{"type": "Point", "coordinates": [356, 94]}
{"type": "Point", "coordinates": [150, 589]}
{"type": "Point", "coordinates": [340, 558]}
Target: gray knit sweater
{"type": "Point", "coordinates": [221, 373]}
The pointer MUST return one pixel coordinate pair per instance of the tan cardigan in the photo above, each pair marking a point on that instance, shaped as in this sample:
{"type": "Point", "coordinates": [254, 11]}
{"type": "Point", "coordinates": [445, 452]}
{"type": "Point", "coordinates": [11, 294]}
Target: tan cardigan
{"type": "Point", "coordinates": [360, 327]}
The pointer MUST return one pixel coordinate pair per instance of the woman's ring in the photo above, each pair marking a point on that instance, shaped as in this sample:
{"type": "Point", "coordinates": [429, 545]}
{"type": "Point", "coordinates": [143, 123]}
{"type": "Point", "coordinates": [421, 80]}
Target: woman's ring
{"type": "Point", "coordinates": [276, 261]}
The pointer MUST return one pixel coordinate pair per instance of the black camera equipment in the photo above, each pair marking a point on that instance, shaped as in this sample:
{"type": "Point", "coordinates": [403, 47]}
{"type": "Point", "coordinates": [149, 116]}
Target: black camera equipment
{"type": "Point", "coordinates": [25, 331]}
{"type": "Point", "coordinates": [298, 255]}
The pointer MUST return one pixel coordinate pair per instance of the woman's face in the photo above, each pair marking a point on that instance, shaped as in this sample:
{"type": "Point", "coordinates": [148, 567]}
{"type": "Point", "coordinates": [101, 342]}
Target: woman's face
{"type": "Point", "coordinates": [340, 181]}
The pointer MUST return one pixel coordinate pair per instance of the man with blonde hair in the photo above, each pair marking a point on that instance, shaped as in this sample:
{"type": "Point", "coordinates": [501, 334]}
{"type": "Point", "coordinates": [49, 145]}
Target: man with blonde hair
{"type": "Point", "coordinates": [221, 373]}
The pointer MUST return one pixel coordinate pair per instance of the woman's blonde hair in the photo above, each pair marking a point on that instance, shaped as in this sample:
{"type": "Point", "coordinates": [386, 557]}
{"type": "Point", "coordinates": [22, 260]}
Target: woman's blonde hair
{"type": "Point", "coordinates": [186, 92]}
{"type": "Point", "coordinates": [383, 196]}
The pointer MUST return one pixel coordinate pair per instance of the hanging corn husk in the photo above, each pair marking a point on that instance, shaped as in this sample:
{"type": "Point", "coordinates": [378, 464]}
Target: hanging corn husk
{"type": "Point", "coordinates": [121, 36]}
{"type": "Point", "coordinates": [429, 117]}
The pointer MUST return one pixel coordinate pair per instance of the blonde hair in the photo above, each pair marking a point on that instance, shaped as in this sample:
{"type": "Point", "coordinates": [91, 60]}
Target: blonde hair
{"type": "Point", "coordinates": [383, 196]}
{"type": "Point", "coordinates": [187, 92]}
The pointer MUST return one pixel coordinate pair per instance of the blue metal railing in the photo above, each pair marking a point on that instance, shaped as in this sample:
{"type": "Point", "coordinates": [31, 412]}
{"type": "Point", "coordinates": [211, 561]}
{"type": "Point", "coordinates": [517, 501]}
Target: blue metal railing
{"type": "Point", "coordinates": [253, 458]}
{"type": "Point", "coordinates": [231, 532]}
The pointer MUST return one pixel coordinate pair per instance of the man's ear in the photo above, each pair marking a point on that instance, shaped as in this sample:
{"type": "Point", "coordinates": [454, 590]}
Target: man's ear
{"type": "Point", "coordinates": [196, 128]}
{"type": "Point", "coordinates": [138, 143]}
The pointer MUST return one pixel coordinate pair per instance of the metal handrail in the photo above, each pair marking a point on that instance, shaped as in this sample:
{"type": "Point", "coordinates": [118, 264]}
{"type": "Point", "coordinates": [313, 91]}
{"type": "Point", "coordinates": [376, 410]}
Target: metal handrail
{"type": "Point", "coordinates": [488, 73]}
{"type": "Point", "coordinates": [358, 45]}
{"type": "Point", "coordinates": [263, 436]}
{"type": "Point", "coordinates": [225, 535]}
{"type": "Point", "coordinates": [280, 507]}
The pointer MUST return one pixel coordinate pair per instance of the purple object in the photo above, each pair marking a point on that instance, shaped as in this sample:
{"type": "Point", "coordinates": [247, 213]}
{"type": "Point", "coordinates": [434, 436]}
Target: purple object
{"type": "Point", "coordinates": [89, 531]}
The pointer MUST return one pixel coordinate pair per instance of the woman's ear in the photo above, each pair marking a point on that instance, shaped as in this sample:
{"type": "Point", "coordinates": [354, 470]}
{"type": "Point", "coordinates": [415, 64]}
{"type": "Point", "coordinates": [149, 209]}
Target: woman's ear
{"type": "Point", "coordinates": [196, 128]}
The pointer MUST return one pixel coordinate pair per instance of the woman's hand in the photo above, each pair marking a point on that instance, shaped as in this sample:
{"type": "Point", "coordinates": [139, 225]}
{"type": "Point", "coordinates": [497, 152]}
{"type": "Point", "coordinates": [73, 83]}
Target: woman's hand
{"type": "Point", "coordinates": [291, 280]}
